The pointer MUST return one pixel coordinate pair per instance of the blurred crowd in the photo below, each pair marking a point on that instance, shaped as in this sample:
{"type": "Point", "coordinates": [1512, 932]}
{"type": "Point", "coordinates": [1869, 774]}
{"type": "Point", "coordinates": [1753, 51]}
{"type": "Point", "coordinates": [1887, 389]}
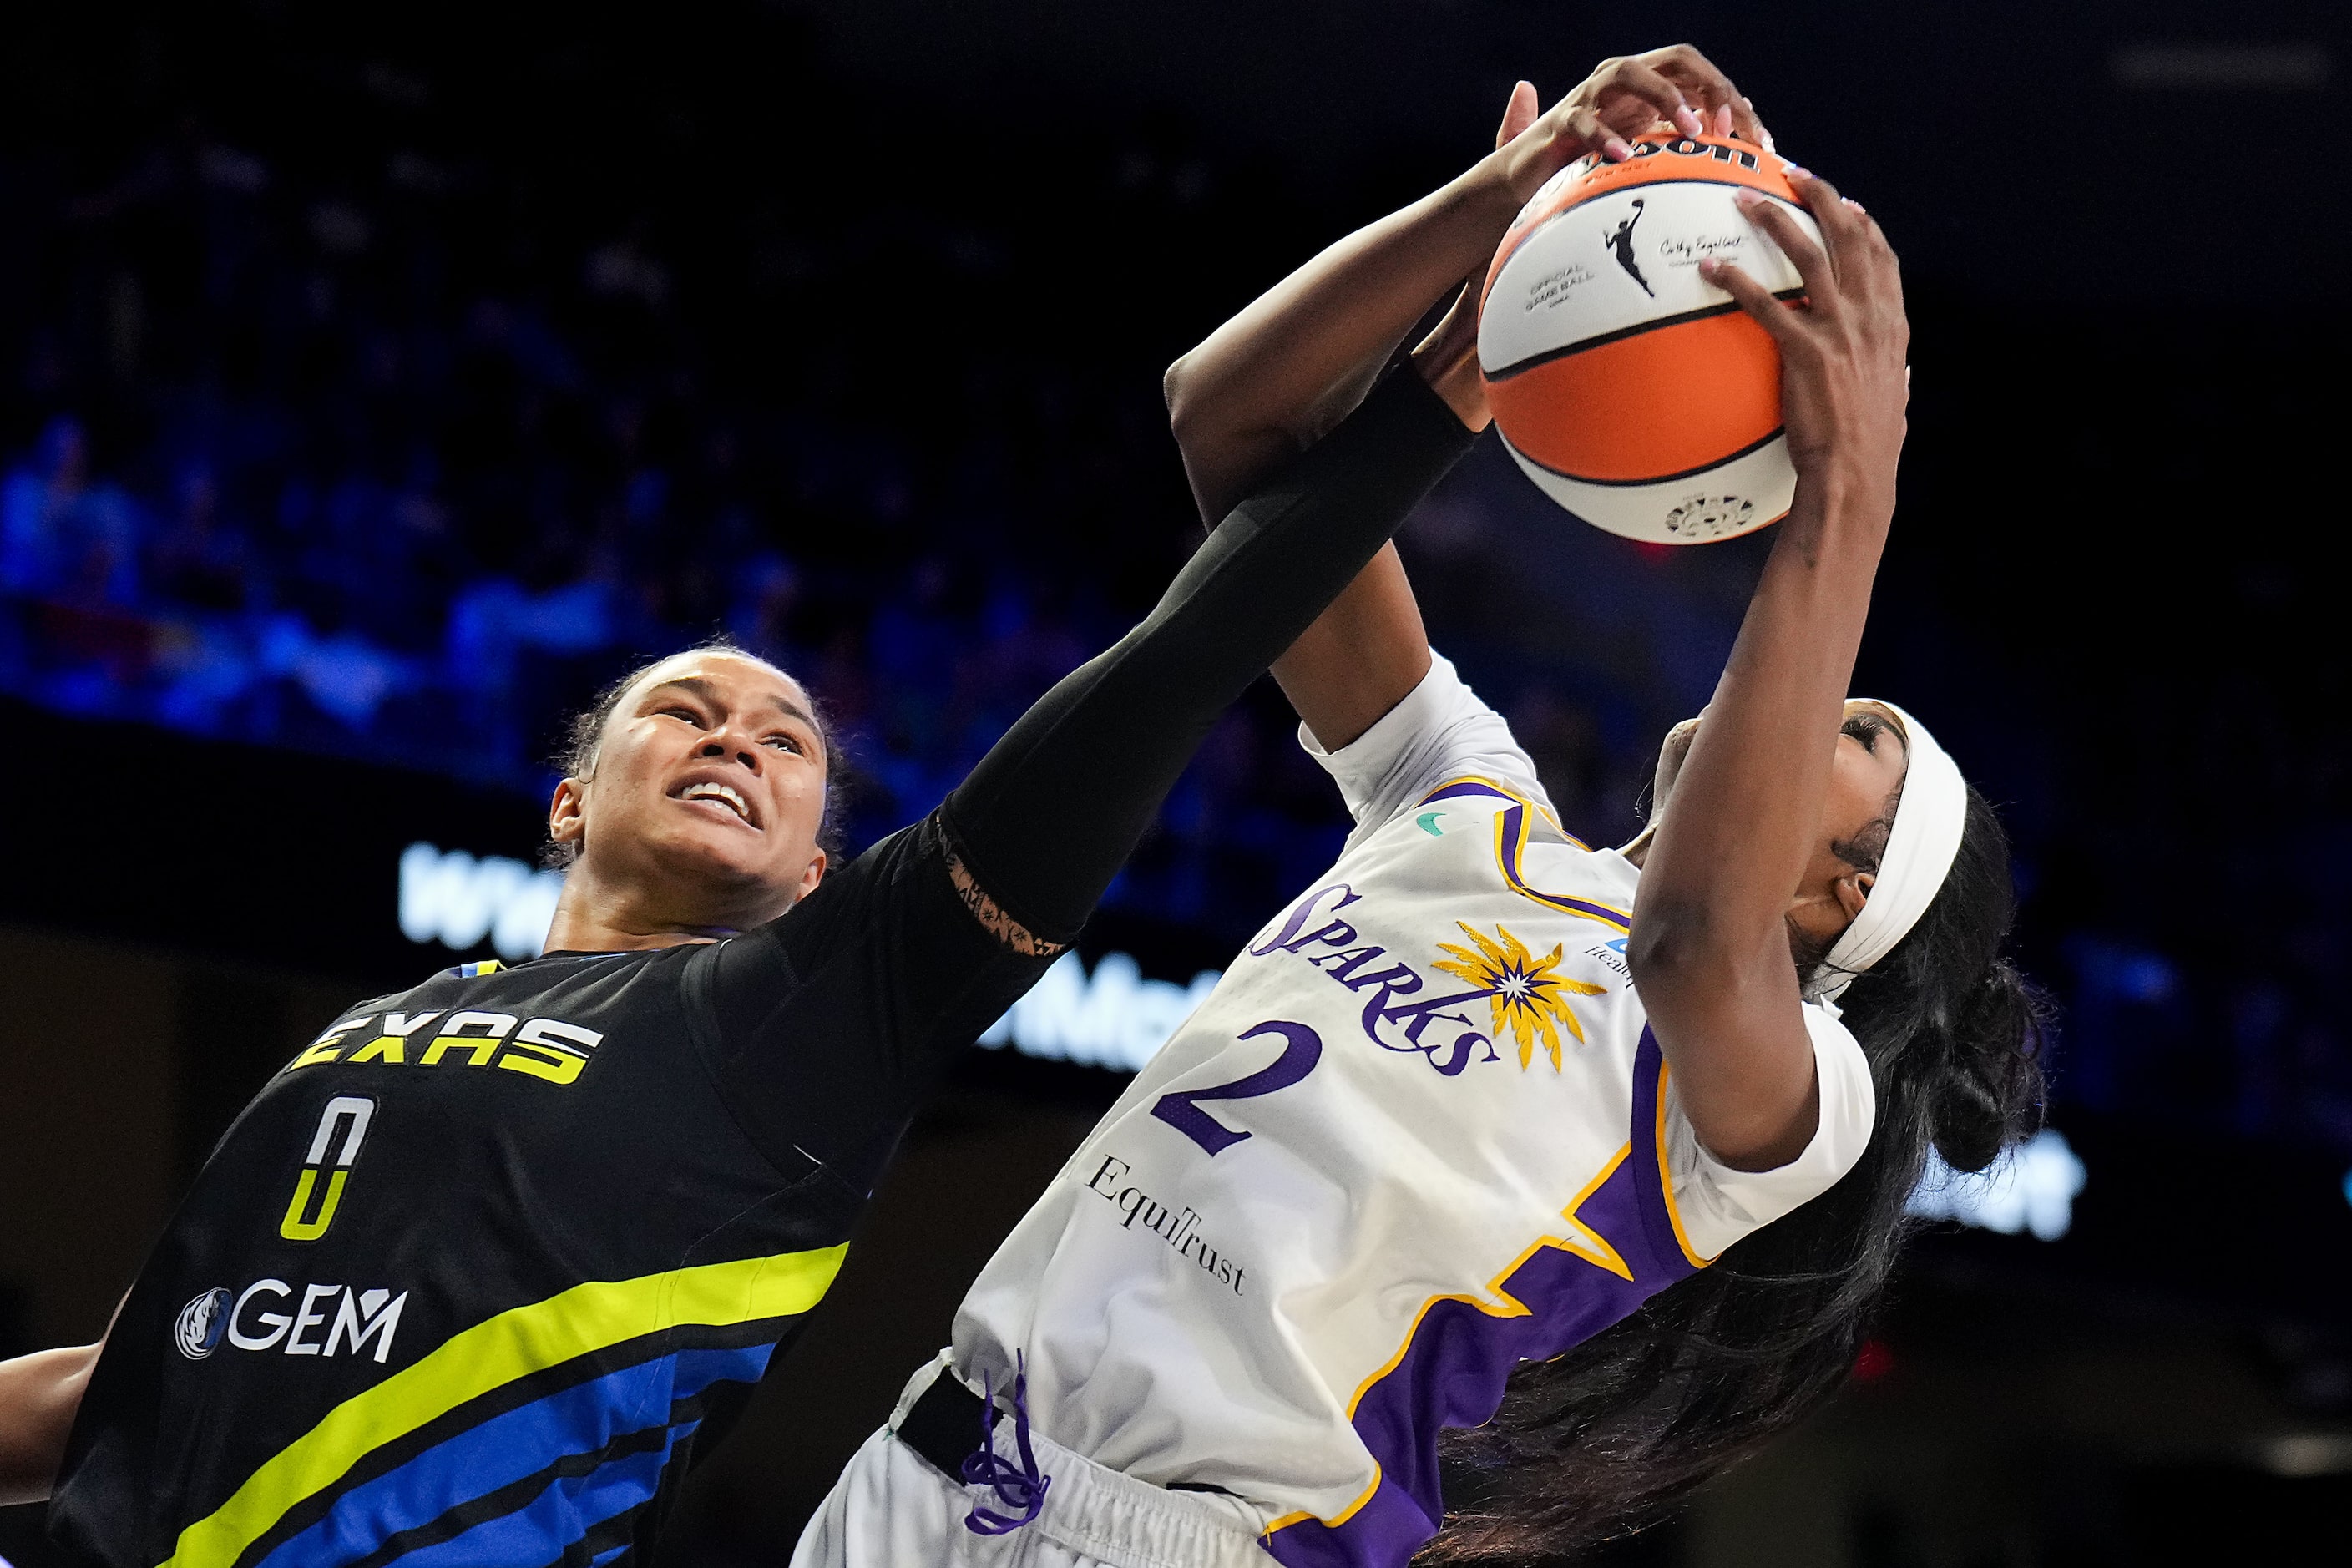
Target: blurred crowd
{"type": "Point", "coordinates": [388, 414]}
{"type": "Point", "coordinates": [359, 453]}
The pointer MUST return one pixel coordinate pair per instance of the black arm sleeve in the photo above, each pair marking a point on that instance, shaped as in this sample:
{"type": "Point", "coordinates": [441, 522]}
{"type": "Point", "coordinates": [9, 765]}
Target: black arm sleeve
{"type": "Point", "coordinates": [1047, 817]}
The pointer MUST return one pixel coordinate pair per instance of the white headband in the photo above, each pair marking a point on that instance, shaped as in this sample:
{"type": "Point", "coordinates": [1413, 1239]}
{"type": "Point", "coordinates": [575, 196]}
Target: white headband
{"type": "Point", "coordinates": [1920, 848]}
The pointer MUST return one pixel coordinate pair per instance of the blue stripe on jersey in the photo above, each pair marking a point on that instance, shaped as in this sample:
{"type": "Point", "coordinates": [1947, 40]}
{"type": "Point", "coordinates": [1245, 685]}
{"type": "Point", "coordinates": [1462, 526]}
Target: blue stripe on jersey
{"type": "Point", "coordinates": [511, 1446]}
{"type": "Point", "coordinates": [544, 1528]}
{"type": "Point", "coordinates": [599, 1561]}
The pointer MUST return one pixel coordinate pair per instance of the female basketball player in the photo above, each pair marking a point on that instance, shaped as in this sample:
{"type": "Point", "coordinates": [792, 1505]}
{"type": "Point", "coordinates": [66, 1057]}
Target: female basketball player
{"type": "Point", "coordinates": [1489, 1129]}
{"type": "Point", "coordinates": [475, 1276]}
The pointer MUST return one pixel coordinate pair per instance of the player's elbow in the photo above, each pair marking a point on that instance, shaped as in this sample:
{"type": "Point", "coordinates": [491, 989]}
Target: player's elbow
{"type": "Point", "coordinates": [1202, 419]}
{"type": "Point", "coordinates": [1175, 386]}
{"type": "Point", "coordinates": [39, 1397]}
{"type": "Point", "coordinates": [1200, 428]}
{"type": "Point", "coordinates": [1761, 1138]}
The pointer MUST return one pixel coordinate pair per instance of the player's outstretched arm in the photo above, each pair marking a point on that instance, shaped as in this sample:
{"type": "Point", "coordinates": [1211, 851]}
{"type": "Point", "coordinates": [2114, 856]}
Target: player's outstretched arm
{"type": "Point", "coordinates": [1291, 365]}
{"type": "Point", "coordinates": [1047, 819]}
{"type": "Point", "coordinates": [1710, 947]}
{"type": "Point", "coordinates": [1276, 376]}
{"type": "Point", "coordinates": [39, 1394]}
{"type": "Point", "coordinates": [1048, 816]}
{"type": "Point", "coordinates": [1288, 366]}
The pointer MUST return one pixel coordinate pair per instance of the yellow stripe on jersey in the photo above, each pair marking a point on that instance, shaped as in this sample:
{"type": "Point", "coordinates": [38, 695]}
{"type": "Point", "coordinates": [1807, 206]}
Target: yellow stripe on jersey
{"type": "Point", "coordinates": [1336, 1520]}
{"type": "Point", "coordinates": [1582, 1240]}
{"type": "Point", "coordinates": [492, 1353]}
{"type": "Point", "coordinates": [1511, 849]}
{"type": "Point", "coordinates": [1666, 1179]}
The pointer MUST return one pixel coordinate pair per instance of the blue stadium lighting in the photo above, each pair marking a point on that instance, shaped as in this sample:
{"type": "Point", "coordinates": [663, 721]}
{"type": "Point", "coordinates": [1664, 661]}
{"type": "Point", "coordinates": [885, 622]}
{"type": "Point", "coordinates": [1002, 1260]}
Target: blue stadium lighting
{"type": "Point", "coordinates": [2030, 1188]}
{"type": "Point", "coordinates": [1112, 1018]}
{"type": "Point", "coordinates": [459, 900]}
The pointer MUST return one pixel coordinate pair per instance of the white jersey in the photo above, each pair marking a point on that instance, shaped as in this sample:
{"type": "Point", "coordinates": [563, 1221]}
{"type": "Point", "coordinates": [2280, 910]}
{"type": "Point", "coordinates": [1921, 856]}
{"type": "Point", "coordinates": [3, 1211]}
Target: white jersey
{"type": "Point", "coordinates": [1414, 1137]}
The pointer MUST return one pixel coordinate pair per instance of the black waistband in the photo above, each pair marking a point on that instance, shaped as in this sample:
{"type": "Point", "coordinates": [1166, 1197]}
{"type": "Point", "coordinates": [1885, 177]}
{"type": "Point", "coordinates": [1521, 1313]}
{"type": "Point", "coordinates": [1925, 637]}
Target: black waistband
{"type": "Point", "coordinates": [943, 1425]}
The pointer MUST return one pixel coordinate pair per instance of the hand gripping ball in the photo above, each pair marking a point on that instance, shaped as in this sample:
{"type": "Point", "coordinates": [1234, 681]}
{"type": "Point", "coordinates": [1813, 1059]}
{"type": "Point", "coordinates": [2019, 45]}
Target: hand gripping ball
{"type": "Point", "coordinates": [1636, 393]}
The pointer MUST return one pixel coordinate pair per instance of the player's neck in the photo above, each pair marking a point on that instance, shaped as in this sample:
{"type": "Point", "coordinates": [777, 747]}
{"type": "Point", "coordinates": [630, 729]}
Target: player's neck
{"type": "Point", "coordinates": [595, 916]}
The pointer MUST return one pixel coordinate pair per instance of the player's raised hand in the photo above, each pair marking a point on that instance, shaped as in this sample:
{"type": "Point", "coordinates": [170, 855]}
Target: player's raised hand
{"type": "Point", "coordinates": [1448, 358]}
{"type": "Point", "coordinates": [1623, 99]}
{"type": "Point", "coordinates": [1521, 112]}
{"type": "Point", "coordinates": [1846, 385]}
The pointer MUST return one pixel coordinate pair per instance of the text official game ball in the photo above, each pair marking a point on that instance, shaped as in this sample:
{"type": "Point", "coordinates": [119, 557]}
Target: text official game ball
{"type": "Point", "coordinates": [1636, 393]}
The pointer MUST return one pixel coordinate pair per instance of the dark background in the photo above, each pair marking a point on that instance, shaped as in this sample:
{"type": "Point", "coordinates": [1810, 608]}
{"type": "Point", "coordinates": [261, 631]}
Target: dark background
{"type": "Point", "coordinates": [376, 381]}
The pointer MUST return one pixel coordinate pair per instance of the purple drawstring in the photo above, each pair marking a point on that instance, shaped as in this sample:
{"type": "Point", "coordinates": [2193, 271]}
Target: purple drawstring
{"type": "Point", "coordinates": [1021, 1487]}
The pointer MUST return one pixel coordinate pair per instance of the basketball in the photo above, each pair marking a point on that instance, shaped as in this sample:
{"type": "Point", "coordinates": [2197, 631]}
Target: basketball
{"type": "Point", "coordinates": [1633, 392]}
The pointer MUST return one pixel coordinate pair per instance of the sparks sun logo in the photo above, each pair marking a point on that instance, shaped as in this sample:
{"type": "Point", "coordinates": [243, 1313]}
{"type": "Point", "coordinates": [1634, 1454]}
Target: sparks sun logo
{"type": "Point", "coordinates": [1529, 996]}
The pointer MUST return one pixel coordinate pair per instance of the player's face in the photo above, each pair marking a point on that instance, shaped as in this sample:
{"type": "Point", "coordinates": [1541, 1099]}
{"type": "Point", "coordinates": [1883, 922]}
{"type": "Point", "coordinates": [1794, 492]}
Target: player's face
{"type": "Point", "coordinates": [707, 794]}
{"type": "Point", "coordinates": [1866, 769]}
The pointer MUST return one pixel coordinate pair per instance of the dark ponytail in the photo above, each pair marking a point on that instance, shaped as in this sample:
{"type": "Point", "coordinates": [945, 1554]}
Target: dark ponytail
{"type": "Point", "coordinates": [1599, 1441]}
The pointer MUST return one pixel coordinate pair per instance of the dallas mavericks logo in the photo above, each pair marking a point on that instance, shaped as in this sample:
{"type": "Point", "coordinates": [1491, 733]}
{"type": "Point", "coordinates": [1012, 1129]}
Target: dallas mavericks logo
{"type": "Point", "coordinates": [200, 1324]}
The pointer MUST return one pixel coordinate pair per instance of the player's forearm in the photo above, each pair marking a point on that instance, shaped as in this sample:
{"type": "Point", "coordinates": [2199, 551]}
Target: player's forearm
{"type": "Point", "coordinates": [39, 1394]}
{"type": "Point", "coordinates": [1360, 658]}
{"type": "Point", "coordinates": [1051, 813]}
{"type": "Point", "coordinates": [1293, 363]}
{"type": "Point", "coordinates": [1710, 949]}
{"type": "Point", "coordinates": [1747, 806]}
{"type": "Point", "coordinates": [1369, 649]}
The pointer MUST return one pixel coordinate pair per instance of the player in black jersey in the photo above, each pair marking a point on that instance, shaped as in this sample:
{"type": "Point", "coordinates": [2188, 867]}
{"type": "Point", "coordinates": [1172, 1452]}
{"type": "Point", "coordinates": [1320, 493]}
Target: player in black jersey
{"type": "Point", "coordinates": [477, 1275]}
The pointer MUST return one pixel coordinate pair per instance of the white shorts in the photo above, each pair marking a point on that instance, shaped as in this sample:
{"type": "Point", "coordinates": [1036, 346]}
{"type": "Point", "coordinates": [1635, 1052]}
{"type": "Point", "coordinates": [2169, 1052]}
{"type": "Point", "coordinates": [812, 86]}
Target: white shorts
{"type": "Point", "coordinates": [891, 1509]}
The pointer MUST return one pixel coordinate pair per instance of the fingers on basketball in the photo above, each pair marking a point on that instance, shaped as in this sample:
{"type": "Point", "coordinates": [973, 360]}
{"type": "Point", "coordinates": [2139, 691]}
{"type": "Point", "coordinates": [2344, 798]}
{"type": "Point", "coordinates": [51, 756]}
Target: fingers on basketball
{"type": "Point", "coordinates": [1811, 263]}
{"type": "Point", "coordinates": [1747, 126]}
{"type": "Point", "coordinates": [1876, 270]}
{"type": "Point", "coordinates": [1845, 228]}
{"type": "Point", "coordinates": [1588, 128]}
{"type": "Point", "coordinates": [1634, 94]}
{"type": "Point", "coordinates": [1706, 87]}
{"type": "Point", "coordinates": [1756, 300]}
{"type": "Point", "coordinates": [1860, 256]}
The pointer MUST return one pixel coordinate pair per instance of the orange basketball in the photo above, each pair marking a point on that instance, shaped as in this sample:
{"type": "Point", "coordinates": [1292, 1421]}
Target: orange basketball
{"type": "Point", "coordinates": [1634, 392]}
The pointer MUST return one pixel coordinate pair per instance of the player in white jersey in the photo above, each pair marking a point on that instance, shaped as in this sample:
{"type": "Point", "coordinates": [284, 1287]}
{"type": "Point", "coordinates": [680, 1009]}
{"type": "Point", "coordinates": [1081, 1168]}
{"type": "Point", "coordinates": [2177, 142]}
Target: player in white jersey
{"type": "Point", "coordinates": [1456, 1140]}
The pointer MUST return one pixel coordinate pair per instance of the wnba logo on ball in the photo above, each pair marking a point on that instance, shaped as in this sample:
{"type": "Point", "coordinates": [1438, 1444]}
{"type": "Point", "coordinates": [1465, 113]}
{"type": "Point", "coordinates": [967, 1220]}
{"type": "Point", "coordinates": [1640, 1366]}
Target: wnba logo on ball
{"type": "Point", "coordinates": [201, 1323]}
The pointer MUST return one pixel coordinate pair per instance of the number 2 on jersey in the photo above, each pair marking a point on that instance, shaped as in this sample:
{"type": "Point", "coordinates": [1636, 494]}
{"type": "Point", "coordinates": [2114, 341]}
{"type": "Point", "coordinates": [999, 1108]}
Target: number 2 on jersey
{"type": "Point", "coordinates": [1301, 1049]}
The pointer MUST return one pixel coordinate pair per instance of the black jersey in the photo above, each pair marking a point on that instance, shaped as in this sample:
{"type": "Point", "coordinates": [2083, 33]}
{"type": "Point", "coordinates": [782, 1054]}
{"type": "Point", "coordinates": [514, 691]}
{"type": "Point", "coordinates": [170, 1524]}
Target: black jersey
{"type": "Point", "coordinates": [475, 1276]}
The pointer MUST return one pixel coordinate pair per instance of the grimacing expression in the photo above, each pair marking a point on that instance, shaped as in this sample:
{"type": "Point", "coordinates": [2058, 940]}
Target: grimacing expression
{"type": "Point", "coordinates": [708, 785]}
